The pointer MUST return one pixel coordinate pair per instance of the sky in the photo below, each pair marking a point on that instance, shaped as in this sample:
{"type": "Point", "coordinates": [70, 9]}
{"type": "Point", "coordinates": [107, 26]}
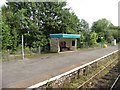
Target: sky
{"type": "Point", "coordinates": [93, 10]}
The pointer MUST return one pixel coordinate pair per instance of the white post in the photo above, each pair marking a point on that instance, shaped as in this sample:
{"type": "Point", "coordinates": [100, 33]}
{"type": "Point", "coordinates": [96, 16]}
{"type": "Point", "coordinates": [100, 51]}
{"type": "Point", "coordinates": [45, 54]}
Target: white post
{"type": "Point", "coordinates": [22, 48]}
{"type": "Point", "coordinates": [39, 49]}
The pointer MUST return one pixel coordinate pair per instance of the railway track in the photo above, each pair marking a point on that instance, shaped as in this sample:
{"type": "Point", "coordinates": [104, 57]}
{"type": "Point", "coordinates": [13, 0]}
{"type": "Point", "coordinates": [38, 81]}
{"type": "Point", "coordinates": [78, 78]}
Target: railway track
{"type": "Point", "coordinates": [116, 84]}
{"type": "Point", "coordinates": [109, 81]}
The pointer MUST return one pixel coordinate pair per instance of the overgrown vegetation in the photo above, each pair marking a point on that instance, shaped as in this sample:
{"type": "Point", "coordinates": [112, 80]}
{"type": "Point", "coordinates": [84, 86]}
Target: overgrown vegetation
{"type": "Point", "coordinates": [91, 72]}
{"type": "Point", "coordinates": [36, 20]}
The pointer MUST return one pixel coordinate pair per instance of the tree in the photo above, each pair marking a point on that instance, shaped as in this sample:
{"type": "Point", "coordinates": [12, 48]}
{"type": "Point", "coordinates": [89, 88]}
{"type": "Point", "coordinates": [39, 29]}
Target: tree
{"type": "Point", "coordinates": [105, 29]}
{"type": "Point", "coordinates": [84, 26]}
{"type": "Point", "coordinates": [6, 36]}
{"type": "Point", "coordinates": [81, 41]}
{"type": "Point", "coordinates": [93, 38]}
{"type": "Point", "coordinates": [36, 20]}
{"type": "Point", "coordinates": [114, 30]}
{"type": "Point", "coordinates": [100, 34]}
{"type": "Point", "coordinates": [101, 25]}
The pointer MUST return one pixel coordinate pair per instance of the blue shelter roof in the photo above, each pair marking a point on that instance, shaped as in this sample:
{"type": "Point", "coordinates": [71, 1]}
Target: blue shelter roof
{"type": "Point", "coordinates": [64, 35]}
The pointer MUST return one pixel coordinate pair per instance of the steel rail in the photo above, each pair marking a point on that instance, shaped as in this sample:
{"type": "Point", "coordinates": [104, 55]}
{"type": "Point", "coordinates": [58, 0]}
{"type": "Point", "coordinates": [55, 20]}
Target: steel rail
{"type": "Point", "coordinates": [113, 85]}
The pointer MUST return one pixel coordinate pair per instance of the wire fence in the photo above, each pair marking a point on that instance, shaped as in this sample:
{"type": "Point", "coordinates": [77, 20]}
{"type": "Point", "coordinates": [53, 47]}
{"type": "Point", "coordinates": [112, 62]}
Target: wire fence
{"type": "Point", "coordinates": [8, 55]}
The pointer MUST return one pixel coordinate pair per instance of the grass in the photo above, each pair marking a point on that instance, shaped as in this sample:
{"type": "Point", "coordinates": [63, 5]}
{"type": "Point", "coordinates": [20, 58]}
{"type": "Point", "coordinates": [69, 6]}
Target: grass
{"type": "Point", "coordinates": [89, 48]}
{"type": "Point", "coordinates": [12, 57]}
{"type": "Point", "coordinates": [34, 55]}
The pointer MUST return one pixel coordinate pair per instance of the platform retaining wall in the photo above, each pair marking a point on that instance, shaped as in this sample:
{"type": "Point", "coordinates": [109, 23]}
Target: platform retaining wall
{"type": "Point", "coordinates": [67, 77]}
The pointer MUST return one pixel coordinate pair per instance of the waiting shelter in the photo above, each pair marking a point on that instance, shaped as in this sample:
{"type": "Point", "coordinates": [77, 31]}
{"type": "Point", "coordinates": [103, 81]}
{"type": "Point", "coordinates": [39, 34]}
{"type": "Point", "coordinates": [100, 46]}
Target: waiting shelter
{"type": "Point", "coordinates": [63, 42]}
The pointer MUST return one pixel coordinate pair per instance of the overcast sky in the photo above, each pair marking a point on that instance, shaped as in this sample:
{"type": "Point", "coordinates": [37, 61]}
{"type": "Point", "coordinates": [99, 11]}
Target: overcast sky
{"type": "Point", "coordinates": [92, 10]}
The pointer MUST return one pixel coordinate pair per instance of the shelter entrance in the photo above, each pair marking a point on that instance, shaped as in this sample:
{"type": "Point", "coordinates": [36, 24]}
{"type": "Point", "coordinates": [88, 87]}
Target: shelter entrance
{"type": "Point", "coordinates": [63, 46]}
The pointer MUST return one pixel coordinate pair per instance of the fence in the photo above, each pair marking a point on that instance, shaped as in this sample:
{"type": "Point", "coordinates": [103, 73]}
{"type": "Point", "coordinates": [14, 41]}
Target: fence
{"type": "Point", "coordinates": [10, 55]}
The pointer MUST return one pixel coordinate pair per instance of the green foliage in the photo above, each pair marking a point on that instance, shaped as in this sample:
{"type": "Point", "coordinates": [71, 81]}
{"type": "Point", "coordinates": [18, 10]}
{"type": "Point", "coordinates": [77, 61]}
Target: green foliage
{"type": "Point", "coordinates": [93, 38]}
{"type": "Point", "coordinates": [84, 26]}
{"type": "Point", "coordinates": [81, 41]}
{"type": "Point", "coordinates": [101, 25]}
{"type": "Point", "coordinates": [35, 20]}
{"type": "Point", "coordinates": [71, 23]}
{"type": "Point", "coordinates": [84, 32]}
{"type": "Point", "coordinates": [105, 29]}
{"type": "Point", "coordinates": [6, 37]}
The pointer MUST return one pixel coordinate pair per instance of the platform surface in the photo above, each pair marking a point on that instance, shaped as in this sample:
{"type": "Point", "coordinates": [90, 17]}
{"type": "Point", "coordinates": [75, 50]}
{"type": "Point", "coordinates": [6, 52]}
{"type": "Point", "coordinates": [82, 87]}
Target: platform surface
{"type": "Point", "coordinates": [21, 74]}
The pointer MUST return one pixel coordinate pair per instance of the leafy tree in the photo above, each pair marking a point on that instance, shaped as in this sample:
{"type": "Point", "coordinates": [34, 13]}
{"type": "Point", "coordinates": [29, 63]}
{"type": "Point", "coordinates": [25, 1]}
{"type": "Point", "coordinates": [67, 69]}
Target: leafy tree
{"type": "Point", "coordinates": [100, 34]}
{"type": "Point", "coordinates": [71, 22]}
{"type": "Point", "coordinates": [114, 30]}
{"type": "Point", "coordinates": [93, 38]}
{"type": "Point", "coordinates": [6, 36]}
{"type": "Point", "coordinates": [101, 25]}
{"type": "Point", "coordinates": [81, 41]}
{"type": "Point", "coordinates": [36, 20]}
{"type": "Point", "coordinates": [105, 29]}
{"type": "Point", "coordinates": [84, 26]}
